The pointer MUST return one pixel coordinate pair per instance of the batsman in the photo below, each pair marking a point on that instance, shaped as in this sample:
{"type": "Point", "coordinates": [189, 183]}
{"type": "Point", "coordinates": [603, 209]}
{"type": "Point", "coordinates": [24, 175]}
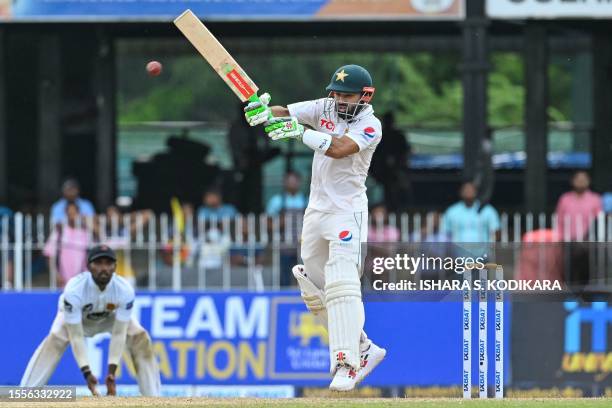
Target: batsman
{"type": "Point", "coordinates": [343, 132]}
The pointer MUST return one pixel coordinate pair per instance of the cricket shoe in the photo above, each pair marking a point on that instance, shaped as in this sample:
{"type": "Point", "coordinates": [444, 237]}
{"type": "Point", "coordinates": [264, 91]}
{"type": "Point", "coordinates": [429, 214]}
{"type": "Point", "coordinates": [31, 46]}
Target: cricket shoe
{"type": "Point", "coordinates": [371, 355]}
{"type": "Point", "coordinates": [344, 379]}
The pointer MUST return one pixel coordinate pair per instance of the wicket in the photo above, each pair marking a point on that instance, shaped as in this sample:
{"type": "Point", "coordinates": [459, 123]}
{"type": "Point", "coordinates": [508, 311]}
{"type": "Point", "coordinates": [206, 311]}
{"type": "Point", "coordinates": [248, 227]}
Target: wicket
{"type": "Point", "coordinates": [466, 320]}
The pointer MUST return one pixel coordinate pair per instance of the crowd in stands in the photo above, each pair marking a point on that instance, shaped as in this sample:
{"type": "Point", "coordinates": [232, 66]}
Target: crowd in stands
{"type": "Point", "coordinates": [75, 226]}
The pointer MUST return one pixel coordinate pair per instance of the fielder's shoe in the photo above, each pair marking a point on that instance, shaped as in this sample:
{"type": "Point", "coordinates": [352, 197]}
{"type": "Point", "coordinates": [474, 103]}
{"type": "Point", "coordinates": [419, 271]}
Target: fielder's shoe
{"type": "Point", "coordinates": [371, 355]}
{"type": "Point", "coordinates": [344, 379]}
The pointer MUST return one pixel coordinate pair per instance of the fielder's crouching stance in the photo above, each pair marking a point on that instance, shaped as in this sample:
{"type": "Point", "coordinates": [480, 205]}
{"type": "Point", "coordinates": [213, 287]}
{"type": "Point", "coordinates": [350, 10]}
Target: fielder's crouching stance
{"type": "Point", "coordinates": [96, 301]}
{"type": "Point", "coordinates": [343, 134]}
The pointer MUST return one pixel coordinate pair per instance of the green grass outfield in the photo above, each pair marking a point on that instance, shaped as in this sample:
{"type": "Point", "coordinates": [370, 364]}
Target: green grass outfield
{"type": "Point", "coordinates": [323, 403]}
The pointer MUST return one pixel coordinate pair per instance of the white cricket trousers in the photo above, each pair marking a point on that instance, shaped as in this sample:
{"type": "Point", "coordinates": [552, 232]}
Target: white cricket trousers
{"type": "Point", "coordinates": [138, 343]}
{"type": "Point", "coordinates": [324, 234]}
{"type": "Point", "coordinates": [332, 255]}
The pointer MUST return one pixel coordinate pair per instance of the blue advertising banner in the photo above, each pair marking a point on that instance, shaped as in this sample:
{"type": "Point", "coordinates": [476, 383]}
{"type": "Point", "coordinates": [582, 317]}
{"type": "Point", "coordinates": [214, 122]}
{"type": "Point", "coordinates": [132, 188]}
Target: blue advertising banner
{"type": "Point", "coordinates": [241, 338]}
{"type": "Point", "coordinates": [166, 10]}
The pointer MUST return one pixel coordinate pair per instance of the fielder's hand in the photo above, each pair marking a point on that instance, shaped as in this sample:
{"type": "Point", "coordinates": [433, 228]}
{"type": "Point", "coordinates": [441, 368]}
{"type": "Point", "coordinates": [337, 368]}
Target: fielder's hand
{"type": "Point", "coordinates": [92, 381]}
{"type": "Point", "coordinates": [284, 128]}
{"type": "Point", "coordinates": [111, 385]}
{"type": "Point", "coordinates": [257, 113]}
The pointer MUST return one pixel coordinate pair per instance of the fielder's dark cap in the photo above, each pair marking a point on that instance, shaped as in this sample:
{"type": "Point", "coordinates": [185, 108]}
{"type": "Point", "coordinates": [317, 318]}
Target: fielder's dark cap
{"type": "Point", "coordinates": [101, 251]}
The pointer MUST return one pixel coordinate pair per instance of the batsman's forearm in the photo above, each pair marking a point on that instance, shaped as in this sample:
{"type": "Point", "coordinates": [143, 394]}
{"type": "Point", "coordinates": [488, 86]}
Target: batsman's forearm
{"type": "Point", "coordinates": [77, 343]}
{"type": "Point", "coordinates": [117, 342]}
{"type": "Point", "coordinates": [279, 111]}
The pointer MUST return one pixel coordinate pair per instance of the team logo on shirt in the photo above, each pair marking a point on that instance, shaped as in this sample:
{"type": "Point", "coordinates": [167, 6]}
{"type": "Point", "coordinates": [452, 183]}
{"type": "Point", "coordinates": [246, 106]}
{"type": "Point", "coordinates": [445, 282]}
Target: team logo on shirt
{"type": "Point", "coordinates": [369, 132]}
{"type": "Point", "coordinates": [345, 236]}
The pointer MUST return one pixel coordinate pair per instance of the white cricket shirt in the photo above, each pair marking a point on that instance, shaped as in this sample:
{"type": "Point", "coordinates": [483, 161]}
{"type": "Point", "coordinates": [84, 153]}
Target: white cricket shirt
{"type": "Point", "coordinates": [338, 185]}
{"type": "Point", "coordinates": [83, 301]}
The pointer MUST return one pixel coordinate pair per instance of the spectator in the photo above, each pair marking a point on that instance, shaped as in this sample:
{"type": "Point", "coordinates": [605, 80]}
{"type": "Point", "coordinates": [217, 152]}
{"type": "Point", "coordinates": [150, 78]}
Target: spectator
{"type": "Point", "coordinates": [67, 246]}
{"type": "Point", "coordinates": [209, 253]}
{"type": "Point", "coordinates": [468, 221]}
{"type": "Point", "coordinates": [540, 256]}
{"type": "Point", "coordinates": [390, 165]}
{"type": "Point", "coordinates": [380, 230]}
{"type": "Point", "coordinates": [71, 193]}
{"type": "Point", "coordinates": [291, 199]}
{"type": "Point", "coordinates": [213, 206]}
{"type": "Point", "coordinates": [607, 202]}
{"type": "Point", "coordinates": [577, 209]}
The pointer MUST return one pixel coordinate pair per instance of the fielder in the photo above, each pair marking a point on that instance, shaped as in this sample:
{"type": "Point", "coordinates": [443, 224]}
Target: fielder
{"type": "Point", "coordinates": [96, 301]}
{"type": "Point", "coordinates": [343, 132]}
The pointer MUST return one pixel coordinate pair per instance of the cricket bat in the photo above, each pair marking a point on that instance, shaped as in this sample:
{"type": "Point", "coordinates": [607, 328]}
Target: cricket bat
{"type": "Point", "coordinates": [217, 56]}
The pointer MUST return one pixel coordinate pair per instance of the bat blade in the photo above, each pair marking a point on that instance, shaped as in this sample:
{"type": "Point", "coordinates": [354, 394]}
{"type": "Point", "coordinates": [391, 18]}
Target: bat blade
{"type": "Point", "coordinates": [216, 55]}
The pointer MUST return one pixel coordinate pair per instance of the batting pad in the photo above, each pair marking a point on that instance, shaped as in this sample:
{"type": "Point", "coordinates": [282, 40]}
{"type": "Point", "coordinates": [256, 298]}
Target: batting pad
{"type": "Point", "coordinates": [345, 311]}
{"type": "Point", "coordinates": [313, 297]}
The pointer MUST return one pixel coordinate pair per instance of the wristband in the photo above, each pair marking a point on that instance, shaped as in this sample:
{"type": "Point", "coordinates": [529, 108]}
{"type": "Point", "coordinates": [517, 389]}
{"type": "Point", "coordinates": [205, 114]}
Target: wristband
{"type": "Point", "coordinates": [317, 141]}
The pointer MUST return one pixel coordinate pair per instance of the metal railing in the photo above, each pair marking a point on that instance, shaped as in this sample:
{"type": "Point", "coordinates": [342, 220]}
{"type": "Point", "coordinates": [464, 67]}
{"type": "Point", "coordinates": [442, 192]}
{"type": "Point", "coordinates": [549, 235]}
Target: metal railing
{"type": "Point", "coordinates": [247, 251]}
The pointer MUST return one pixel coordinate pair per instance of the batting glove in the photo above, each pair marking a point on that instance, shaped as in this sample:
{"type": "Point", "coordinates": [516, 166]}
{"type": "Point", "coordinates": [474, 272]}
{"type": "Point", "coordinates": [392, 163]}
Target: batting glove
{"type": "Point", "coordinates": [258, 112]}
{"type": "Point", "coordinates": [284, 128]}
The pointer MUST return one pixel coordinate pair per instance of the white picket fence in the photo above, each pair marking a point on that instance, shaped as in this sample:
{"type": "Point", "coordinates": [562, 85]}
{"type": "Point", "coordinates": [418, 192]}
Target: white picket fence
{"type": "Point", "coordinates": [248, 251]}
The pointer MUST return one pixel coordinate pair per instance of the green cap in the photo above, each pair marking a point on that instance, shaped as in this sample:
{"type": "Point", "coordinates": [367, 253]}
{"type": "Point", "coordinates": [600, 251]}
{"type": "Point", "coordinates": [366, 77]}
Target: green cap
{"type": "Point", "coordinates": [349, 79]}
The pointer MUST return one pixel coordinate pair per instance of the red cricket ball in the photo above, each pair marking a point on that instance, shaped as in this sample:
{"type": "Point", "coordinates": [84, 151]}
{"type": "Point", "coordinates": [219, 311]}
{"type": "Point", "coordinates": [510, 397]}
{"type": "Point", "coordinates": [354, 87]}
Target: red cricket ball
{"type": "Point", "coordinates": [154, 68]}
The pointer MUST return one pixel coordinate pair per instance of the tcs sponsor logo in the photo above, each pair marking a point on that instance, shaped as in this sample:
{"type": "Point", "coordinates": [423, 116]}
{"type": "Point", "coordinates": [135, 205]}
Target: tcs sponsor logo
{"type": "Point", "coordinates": [328, 124]}
{"type": "Point", "coordinates": [345, 236]}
